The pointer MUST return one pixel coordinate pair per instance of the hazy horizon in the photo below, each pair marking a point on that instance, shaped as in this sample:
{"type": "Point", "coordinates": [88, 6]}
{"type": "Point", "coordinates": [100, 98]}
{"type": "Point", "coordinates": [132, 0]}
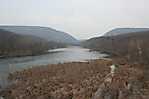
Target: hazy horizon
{"type": "Point", "coordinates": [81, 18]}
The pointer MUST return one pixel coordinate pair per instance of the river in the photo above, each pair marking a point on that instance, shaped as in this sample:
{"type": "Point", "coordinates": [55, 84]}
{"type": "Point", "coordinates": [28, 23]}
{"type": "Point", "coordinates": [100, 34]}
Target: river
{"type": "Point", "coordinates": [61, 55]}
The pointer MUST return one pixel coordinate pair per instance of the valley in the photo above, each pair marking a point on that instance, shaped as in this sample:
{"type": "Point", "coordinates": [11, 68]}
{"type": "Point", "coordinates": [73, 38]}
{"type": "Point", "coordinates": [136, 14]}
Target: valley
{"type": "Point", "coordinates": [78, 72]}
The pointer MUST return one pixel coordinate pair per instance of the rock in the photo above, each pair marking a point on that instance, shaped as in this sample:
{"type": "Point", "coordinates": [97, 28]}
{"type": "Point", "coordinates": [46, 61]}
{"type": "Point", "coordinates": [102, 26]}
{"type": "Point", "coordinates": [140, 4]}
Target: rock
{"type": "Point", "coordinates": [1, 98]}
{"type": "Point", "coordinates": [104, 92]}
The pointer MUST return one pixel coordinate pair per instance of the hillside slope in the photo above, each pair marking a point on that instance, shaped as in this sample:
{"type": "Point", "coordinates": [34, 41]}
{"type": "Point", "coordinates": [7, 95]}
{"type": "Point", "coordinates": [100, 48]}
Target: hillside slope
{"type": "Point", "coordinates": [132, 46]}
{"type": "Point", "coordinates": [46, 33]}
{"type": "Point", "coordinates": [121, 31]}
{"type": "Point", "coordinates": [12, 44]}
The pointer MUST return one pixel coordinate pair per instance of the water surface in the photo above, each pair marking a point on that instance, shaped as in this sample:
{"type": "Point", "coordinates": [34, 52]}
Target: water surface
{"type": "Point", "coordinates": [61, 55]}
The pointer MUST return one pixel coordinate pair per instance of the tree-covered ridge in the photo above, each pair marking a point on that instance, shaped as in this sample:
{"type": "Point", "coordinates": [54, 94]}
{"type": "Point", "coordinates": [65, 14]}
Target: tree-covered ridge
{"type": "Point", "coordinates": [12, 44]}
{"type": "Point", "coordinates": [132, 46]}
{"type": "Point", "coordinates": [49, 34]}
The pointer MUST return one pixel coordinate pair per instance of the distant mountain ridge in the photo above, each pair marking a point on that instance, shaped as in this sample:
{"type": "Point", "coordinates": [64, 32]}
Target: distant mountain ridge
{"type": "Point", "coordinates": [121, 31]}
{"type": "Point", "coordinates": [46, 33]}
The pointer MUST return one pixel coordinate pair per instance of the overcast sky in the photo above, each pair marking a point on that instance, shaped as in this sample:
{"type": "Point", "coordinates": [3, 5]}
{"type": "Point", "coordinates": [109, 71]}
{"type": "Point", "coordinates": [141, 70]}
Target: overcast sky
{"type": "Point", "coordinates": [80, 18]}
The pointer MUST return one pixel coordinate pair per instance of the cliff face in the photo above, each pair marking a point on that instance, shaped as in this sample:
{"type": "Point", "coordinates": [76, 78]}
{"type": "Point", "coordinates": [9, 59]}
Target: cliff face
{"type": "Point", "coordinates": [132, 46]}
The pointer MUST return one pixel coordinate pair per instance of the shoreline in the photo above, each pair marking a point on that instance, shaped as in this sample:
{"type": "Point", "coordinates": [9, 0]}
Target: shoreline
{"type": "Point", "coordinates": [36, 66]}
{"type": "Point", "coordinates": [76, 80]}
{"type": "Point", "coordinates": [26, 55]}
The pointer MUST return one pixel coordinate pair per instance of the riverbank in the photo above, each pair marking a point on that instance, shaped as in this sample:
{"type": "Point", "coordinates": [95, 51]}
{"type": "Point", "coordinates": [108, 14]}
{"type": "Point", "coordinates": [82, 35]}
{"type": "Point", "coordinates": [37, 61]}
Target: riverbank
{"type": "Point", "coordinates": [77, 80]}
{"type": "Point", "coordinates": [16, 54]}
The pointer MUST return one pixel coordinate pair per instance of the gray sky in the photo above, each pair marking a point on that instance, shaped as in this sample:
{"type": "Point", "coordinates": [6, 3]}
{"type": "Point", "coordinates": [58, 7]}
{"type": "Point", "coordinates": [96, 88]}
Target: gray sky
{"type": "Point", "coordinates": [80, 18]}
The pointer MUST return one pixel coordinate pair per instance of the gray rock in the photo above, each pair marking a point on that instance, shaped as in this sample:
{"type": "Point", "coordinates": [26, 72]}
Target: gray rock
{"type": "Point", "coordinates": [105, 92]}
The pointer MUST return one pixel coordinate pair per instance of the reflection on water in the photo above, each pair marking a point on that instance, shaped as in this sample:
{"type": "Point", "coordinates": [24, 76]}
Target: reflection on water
{"type": "Point", "coordinates": [70, 54]}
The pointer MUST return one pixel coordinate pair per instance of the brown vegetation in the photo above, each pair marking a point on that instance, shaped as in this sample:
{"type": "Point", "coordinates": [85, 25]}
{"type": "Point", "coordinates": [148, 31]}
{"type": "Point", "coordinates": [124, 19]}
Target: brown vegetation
{"type": "Point", "coordinates": [74, 81]}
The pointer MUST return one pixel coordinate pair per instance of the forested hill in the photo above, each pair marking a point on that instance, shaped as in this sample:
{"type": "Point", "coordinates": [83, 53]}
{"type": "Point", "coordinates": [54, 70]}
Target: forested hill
{"type": "Point", "coordinates": [46, 33]}
{"type": "Point", "coordinates": [133, 46]}
{"type": "Point", "coordinates": [121, 31]}
{"type": "Point", "coordinates": [12, 44]}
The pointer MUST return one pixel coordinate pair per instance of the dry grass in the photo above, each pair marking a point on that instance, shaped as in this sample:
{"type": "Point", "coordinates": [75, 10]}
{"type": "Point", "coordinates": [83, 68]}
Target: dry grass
{"type": "Point", "coordinates": [68, 81]}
